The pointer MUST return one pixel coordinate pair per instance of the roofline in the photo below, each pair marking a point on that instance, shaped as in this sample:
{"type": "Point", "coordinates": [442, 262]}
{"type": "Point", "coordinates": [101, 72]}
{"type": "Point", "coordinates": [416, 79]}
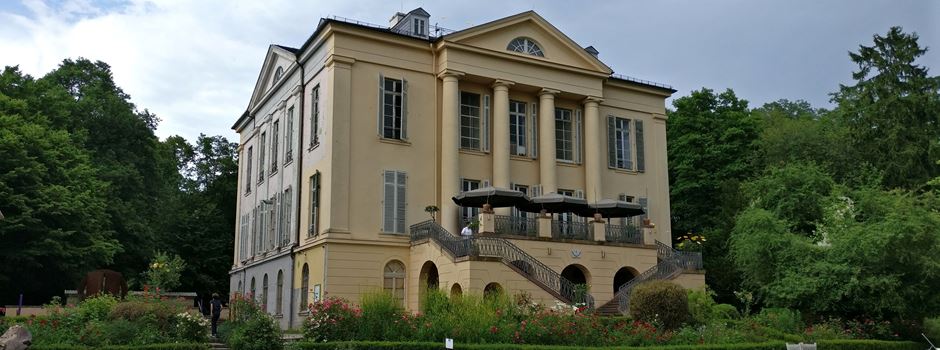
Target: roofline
{"type": "Point", "coordinates": [641, 82]}
{"type": "Point", "coordinates": [244, 117]}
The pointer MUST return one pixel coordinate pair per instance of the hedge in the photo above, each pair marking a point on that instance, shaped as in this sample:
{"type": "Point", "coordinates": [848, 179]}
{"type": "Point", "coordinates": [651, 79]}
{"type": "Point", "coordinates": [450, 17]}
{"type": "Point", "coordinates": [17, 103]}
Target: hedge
{"type": "Point", "coordinates": [126, 347]}
{"type": "Point", "coordinates": [827, 345]}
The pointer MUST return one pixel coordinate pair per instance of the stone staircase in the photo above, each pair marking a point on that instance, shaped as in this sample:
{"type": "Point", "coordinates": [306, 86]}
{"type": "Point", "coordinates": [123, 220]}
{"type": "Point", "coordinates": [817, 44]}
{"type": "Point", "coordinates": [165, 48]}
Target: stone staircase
{"type": "Point", "coordinates": [672, 263]}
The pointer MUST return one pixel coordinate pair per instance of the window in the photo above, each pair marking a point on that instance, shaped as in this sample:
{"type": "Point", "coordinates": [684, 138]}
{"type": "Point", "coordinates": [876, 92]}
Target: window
{"type": "Point", "coordinates": [631, 221]}
{"type": "Point", "coordinates": [264, 293]}
{"type": "Point", "coordinates": [470, 121]}
{"type": "Point", "coordinates": [517, 128]}
{"type": "Point", "coordinates": [392, 113]}
{"type": "Point", "coordinates": [620, 146]}
{"type": "Point", "coordinates": [521, 226]}
{"type": "Point", "coordinates": [314, 228]}
{"type": "Point", "coordinates": [526, 46]}
{"type": "Point", "coordinates": [289, 137]}
{"type": "Point", "coordinates": [279, 298]}
{"type": "Point", "coordinates": [394, 280]}
{"type": "Point", "coordinates": [272, 222]}
{"type": "Point", "coordinates": [315, 116]}
{"type": "Point", "coordinates": [394, 202]}
{"type": "Point", "coordinates": [254, 231]}
{"type": "Point", "coordinates": [261, 158]}
{"type": "Point", "coordinates": [468, 214]}
{"type": "Point", "coordinates": [248, 172]}
{"type": "Point", "coordinates": [278, 74]}
{"type": "Point", "coordinates": [253, 295]}
{"type": "Point", "coordinates": [275, 133]}
{"type": "Point", "coordinates": [242, 234]}
{"type": "Point", "coordinates": [304, 288]}
{"type": "Point", "coordinates": [564, 135]}
{"type": "Point", "coordinates": [287, 205]}
{"type": "Point", "coordinates": [418, 27]}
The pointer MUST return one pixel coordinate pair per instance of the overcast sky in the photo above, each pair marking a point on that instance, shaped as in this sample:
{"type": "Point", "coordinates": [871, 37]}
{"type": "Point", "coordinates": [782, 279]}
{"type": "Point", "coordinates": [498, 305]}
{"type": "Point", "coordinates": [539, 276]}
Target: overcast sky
{"type": "Point", "coordinates": [194, 63]}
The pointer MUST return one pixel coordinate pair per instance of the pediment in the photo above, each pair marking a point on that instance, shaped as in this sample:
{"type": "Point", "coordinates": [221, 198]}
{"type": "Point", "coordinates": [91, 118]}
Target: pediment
{"type": "Point", "coordinates": [278, 57]}
{"type": "Point", "coordinates": [555, 45]}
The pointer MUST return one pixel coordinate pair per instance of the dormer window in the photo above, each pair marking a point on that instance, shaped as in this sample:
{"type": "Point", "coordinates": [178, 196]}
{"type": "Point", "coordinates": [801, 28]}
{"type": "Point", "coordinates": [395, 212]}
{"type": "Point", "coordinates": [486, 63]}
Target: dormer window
{"type": "Point", "coordinates": [526, 46]}
{"type": "Point", "coordinates": [278, 73]}
{"type": "Point", "coordinates": [418, 27]}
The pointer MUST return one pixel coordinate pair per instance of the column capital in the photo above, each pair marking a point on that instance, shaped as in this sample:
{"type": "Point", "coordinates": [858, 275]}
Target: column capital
{"type": "Point", "coordinates": [592, 99]}
{"type": "Point", "coordinates": [503, 83]}
{"type": "Point", "coordinates": [547, 91]}
{"type": "Point", "coordinates": [450, 73]}
{"type": "Point", "coordinates": [342, 61]}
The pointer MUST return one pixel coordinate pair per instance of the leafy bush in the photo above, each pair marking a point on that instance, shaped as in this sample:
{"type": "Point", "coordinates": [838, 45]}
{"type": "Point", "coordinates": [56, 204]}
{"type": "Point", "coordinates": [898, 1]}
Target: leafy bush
{"type": "Point", "coordinates": [932, 329]}
{"type": "Point", "coordinates": [383, 317]}
{"type": "Point", "coordinates": [192, 327]}
{"type": "Point", "coordinates": [252, 328]}
{"type": "Point", "coordinates": [725, 312]}
{"type": "Point", "coordinates": [832, 345]}
{"type": "Point", "coordinates": [660, 301]}
{"type": "Point", "coordinates": [164, 272]}
{"type": "Point", "coordinates": [331, 319]}
{"type": "Point", "coordinates": [96, 308]}
{"type": "Point", "coordinates": [783, 320]}
{"type": "Point", "coordinates": [174, 346]}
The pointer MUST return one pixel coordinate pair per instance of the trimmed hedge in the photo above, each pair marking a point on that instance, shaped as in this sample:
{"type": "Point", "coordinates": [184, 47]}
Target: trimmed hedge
{"type": "Point", "coordinates": [828, 345]}
{"type": "Point", "coordinates": [126, 347]}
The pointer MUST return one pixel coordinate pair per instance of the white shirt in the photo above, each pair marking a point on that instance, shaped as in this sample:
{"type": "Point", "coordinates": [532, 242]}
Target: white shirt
{"type": "Point", "coordinates": [466, 231]}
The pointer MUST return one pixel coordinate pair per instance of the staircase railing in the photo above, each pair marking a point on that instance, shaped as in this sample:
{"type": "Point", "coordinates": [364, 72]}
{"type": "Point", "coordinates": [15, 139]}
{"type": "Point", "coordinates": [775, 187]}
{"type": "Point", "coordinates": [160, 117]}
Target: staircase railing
{"type": "Point", "coordinates": [508, 253]}
{"type": "Point", "coordinates": [671, 264]}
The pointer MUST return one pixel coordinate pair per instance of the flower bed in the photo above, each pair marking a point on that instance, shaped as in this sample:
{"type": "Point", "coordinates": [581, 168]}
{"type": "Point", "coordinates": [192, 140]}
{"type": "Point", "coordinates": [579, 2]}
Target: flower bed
{"type": "Point", "coordinates": [831, 345]}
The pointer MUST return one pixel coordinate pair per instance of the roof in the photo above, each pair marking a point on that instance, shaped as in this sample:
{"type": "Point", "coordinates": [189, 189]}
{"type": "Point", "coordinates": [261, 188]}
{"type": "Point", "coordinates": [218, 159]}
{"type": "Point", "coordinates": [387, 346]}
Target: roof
{"type": "Point", "coordinates": [420, 11]}
{"type": "Point", "coordinates": [288, 48]}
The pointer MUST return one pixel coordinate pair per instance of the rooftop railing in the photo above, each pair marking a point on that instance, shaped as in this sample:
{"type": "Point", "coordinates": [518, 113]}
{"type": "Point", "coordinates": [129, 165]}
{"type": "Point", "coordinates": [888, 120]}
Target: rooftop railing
{"type": "Point", "coordinates": [641, 81]}
{"type": "Point", "coordinates": [433, 30]}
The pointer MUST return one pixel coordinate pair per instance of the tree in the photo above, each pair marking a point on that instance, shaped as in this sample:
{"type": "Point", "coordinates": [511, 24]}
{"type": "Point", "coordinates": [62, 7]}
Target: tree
{"type": "Point", "coordinates": [794, 193]}
{"type": "Point", "coordinates": [893, 109]}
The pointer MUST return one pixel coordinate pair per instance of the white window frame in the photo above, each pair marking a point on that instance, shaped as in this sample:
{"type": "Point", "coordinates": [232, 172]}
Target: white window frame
{"type": "Point", "coordinates": [394, 214]}
{"type": "Point", "coordinates": [315, 116]}
{"type": "Point", "coordinates": [565, 116]}
{"type": "Point", "coordinates": [393, 126]}
{"type": "Point", "coordinates": [518, 131]}
{"type": "Point", "coordinates": [289, 137]}
{"type": "Point", "coordinates": [470, 122]}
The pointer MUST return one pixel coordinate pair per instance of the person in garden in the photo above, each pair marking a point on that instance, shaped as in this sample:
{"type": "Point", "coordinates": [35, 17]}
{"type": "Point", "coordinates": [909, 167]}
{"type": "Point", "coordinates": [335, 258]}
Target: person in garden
{"type": "Point", "coordinates": [216, 313]}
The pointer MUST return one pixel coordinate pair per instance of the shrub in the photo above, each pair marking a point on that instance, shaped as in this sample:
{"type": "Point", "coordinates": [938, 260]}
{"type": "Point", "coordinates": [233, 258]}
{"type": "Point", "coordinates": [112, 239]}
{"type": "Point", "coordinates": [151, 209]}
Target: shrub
{"type": "Point", "coordinates": [383, 318]}
{"type": "Point", "coordinates": [701, 306]}
{"type": "Point", "coordinates": [96, 308]}
{"type": "Point", "coordinates": [164, 271]}
{"type": "Point", "coordinates": [660, 301]}
{"type": "Point", "coordinates": [726, 312]}
{"type": "Point", "coordinates": [932, 329]}
{"type": "Point", "coordinates": [331, 319]}
{"type": "Point", "coordinates": [783, 320]}
{"type": "Point", "coordinates": [252, 328]}
{"type": "Point", "coordinates": [192, 327]}
{"type": "Point", "coordinates": [832, 345]}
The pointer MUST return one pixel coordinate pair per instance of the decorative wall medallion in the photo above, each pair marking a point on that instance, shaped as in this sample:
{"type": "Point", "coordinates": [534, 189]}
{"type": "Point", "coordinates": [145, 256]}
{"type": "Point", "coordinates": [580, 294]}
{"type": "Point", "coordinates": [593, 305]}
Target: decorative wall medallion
{"type": "Point", "coordinates": [576, 253]}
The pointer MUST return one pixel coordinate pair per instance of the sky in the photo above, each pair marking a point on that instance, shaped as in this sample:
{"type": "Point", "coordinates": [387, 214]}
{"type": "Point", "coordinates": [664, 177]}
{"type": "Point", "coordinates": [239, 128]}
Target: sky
{"type": "Point", "coordinates": [194, 63]}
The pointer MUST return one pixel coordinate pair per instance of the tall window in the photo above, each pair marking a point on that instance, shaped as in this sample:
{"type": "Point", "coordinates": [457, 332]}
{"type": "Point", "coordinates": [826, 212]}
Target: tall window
{"type": "Point", "coordinates": [418, 27]}
{"type": "Point", "coordinates": [394, 202]}
{"type": "Point", "coordinates": [470, 120]}
{"type": "Point", "coordinates": [525, 45]}
{"type": "Point", "coordinates": [314, 228]}
{"type": "Point", "coordinates": [517, 128]}
{"type": "Point", "coordinates": [289, 136]}
{"type": "Point", "coordinates": [564, 135]}
{"type": "Point", "coordinates": [287, 203]}
{"type": "Point", "coordinates": [275, 137]}
{"type": "Point", "coordinates": [304, 288]}
{"type": "Point", "coordinates": [315, 116]}
{"type": "Point", "coordinates": [621, 143]}
{"type": "Point", "coordinates": [264, 293]}
{"type": "Point", "coordinates": [279, 298]}
{"type": "Point", "coordinates": [272, 223]}
{"type": "Point", "coordinates": [394, 280]}
{"type": "Point", "coordinates": [264, 137]}
{"type": "Point", "coordinates": [393, 108]}
{"type": "Point", "coordinates": [254, 295]}
{"type": "Point", "coordinates": [468, 214]}
{"type": "Point", "coordinates": [248, 172]}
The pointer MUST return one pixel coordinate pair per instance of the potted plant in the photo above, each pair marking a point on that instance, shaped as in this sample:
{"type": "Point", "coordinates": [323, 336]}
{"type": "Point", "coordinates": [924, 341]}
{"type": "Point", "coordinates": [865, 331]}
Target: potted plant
{"type": "Point", "coordinates": [432, 209]}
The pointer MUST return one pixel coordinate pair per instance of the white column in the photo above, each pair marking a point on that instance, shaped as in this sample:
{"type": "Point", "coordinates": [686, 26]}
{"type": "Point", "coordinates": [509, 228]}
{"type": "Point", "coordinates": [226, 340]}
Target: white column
{"type": "Point", "coordinates": [592, 152]}
{"type": "Point", "coordinates": [547, 141]}
{"type": "Point", "coordinates": [501, 137]}
{"type": "Point", "coordinates": [450, 144]}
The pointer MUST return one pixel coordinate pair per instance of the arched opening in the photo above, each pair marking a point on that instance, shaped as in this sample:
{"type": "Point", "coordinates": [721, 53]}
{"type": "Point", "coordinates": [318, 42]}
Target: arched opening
{"type": "Point", "coordinates": [455, 290]}
{"type": "Point", "coordinates": [523, 266]}
{"type": "Point", "coordinates": [279, 298]}
{"type": "Point", "coordinates": [305, 288]}
{"type": "Point", "coordinates": [624, 275]}
{"type": "Point", "coordinates": [264, 293]}
{"type": "Point", "coordinates": [493, 289]}
{"type": "Point", "coordinates": [575, 273]}
{"type": "Point", "coordinates": [394, 280]}
{"type": "Point", "coordinates": [429, 277]}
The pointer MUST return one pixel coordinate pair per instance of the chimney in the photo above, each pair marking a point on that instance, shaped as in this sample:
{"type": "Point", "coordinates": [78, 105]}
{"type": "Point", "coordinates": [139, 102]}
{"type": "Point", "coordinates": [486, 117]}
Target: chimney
{"type": "Point", "coordinates": [397, 17]}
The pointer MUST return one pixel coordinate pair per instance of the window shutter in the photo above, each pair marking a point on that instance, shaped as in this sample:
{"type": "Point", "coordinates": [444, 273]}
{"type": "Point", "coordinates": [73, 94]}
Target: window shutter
{"type": "Point", "coordinates": [400, 202]}
{"type": "Point", "coordinates": [388, 202]}
{"type": "Point", "coordinates": [404, 109]}
{"type": "Point", "coordinates": [611, 142]}
{"type": "Point", "coordinates": [381, 103]}
{"type": "Point", "coordinates": [644, 203]}
{"type": "Point", "coordinates": [485, 129]}
{"type": "Point", "coordinates": [577, 136]}
{"type": "Point", "coordinates": [627, 152]}
{"type": "Point", "coordinates": [534, 146]}
{"type": "Point", "coordinates": [640, 148]}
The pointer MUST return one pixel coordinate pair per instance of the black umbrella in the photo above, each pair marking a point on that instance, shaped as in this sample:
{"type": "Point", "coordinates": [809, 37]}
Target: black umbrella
{"type": "Point", "coordinates": [553, 203]}
{"type": "Point", "coordinates": [610, 208]}
{"type": "Point", "coordinates": [496, 197]}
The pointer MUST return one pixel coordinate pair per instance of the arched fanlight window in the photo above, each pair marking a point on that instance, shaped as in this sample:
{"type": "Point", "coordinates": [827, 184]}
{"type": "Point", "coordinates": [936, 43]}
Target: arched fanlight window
{"type": "Point", "coordinates": [525, 45]}
{"type": "Point", "coordinates": [278, 73]}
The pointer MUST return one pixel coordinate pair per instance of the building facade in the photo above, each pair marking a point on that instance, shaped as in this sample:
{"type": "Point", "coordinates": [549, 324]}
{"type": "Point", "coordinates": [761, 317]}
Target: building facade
{"type": "Point", "coordinates": [349, 138]}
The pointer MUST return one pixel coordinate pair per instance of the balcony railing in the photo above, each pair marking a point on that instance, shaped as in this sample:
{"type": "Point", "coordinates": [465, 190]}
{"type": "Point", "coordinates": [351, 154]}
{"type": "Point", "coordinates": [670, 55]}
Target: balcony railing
{"type": "Point", "coordinates": [567, 229]}
{"type": "Point", "coordinates": [516, 225]}
{"type": "Point", "coordinates": [623, 234]}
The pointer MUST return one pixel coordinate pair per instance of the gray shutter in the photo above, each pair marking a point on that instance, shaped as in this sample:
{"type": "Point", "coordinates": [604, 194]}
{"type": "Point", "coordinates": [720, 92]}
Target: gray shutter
{"type": "Point", "coordinates": [640, 148]}
{"type": "Point", "coordinates": [400, 202]}
{"type": "Point", "coordinates": [578, 129]}
{"type": "Point", "coordinates": [485, 130]}
{"type": "Point", "coordinates": [535, 131]}
{"type": "Point", "coordinates": [611, 142]}
{"type": "Point", "coordinates": [404, 109]}
{"type": "Point", "coordinates": [381, 106]}
{"type": "Point", "coordinates": [644, 203]}
{"type": "Point", "coordinates": [627, 151]}
{"type": "Point", "coordinates": [388, 202]}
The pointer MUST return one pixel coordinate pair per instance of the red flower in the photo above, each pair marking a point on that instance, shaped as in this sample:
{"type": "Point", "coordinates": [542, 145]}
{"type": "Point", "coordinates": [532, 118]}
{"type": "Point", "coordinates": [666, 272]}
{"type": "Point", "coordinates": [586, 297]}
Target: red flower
{"type": "Point", "coordinates": [493, 329]}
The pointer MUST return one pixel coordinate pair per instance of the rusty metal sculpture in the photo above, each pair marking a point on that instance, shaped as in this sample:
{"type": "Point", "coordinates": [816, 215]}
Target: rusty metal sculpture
{"type": "Point", "coordinates": [102, 281]}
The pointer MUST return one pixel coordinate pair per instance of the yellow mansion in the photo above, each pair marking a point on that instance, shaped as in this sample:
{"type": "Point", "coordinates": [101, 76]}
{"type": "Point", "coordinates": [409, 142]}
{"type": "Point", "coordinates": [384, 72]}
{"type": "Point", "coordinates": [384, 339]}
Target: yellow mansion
{"type": "Point", "coordinates": [348, 139]}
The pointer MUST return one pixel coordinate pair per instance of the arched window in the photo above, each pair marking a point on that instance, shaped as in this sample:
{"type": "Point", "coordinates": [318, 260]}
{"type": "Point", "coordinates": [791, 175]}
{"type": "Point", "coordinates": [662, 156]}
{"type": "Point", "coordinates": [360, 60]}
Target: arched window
{"type": "Point", "coordinates": [264, 293]}
{"type": "Point", "coordinates": [304, 287]}
{"type": "Point", "coordinates": [526, 46]}
{"type": "Point", "coordinates": [278, 73]}
{"type": "Point", "coordinates": [253, 295]}
{"type": "Point", "coordinates": [395, 279]}
{"type": "Point", "coordinates": [280, 293]}
{"type": "Point", "coordinates": [241, 288]}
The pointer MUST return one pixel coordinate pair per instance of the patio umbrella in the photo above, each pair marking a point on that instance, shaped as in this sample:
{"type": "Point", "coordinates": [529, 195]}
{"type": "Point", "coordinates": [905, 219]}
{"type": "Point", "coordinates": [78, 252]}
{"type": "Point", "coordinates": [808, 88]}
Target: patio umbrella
{"type": "Point", "coordinates": [610, 208]}
{"type": "Point", "coordinates": [553, 203]}
{"type": "Point", "coordinates": [496, 197]}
